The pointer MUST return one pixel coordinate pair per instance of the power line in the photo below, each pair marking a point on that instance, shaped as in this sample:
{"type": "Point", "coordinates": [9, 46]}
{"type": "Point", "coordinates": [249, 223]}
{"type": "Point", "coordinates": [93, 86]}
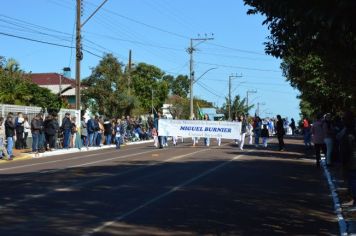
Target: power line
{"type": "Point", "coordinates": [35, 40]}
{"type": "Point", "coordinates": [234, 56]}
{"type": "Point", "coordinates": [237, 49]}
{"type": "Point", "coordinates": [144, 24]}
{"type": "Point", "coordinates": [208, 89]}
{"type": "Point", "coordinates": [34, 25]}
{"type": "Point", "coordinates": [45, 42]}
{"type": "Point", "coordinates": [238, 67]}
{"type": "Point", "coordinates": [132, 41]}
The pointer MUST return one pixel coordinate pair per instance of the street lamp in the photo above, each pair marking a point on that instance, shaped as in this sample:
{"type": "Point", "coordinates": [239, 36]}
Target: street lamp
{"type": "Point", "coordinates": [191, 50]}
{"type": "Point", "coordinates": [192, 81]}
{"type": "Point", "coordinates": [247, 93]}
{"type": "Point", "coordinates": [258, 107]}
{"type": "Point", "coordinates": [204, 74]}
{"type": "Point", "coordinates": [231, 77]}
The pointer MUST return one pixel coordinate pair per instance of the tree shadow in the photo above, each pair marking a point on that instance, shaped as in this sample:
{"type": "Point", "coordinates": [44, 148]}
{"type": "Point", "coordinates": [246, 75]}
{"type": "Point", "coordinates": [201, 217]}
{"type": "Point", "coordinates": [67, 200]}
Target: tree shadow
{"type": "Point", "coordinates": [245, 197]}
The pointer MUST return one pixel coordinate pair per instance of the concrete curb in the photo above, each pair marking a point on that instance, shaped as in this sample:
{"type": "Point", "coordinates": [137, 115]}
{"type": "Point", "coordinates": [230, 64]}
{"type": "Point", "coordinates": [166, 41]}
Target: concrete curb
{"type": "Point", "coordinates": [26, 156]}
{"type": "Point", "coordinates": [337, 206]}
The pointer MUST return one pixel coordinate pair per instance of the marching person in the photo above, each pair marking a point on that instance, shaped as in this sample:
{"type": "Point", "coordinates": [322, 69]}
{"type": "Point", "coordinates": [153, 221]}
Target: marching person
{"type": "Point", "coordinates": [207, 139]}
{"type": "Point", "coordinates": [244, 125]}
{"type": "Point", "coordinates": [265, 135]}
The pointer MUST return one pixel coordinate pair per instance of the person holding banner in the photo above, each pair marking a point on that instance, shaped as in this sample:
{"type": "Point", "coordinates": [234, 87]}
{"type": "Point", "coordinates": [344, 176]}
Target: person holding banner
{"type": "Point", "coordinates": [157, 117]}
{"type": "Point", "coordinates": [250, 132]}
{"type": "Point", "coordinates": [206, 139]}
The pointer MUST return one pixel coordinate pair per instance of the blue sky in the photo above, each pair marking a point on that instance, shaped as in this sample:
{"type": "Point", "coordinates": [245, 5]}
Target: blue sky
{"type": "Point", "coordinates": [158, 32]}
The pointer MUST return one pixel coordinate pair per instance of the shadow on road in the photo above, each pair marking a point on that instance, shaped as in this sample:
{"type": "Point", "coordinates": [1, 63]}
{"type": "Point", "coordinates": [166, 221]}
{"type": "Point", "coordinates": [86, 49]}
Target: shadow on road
{"type": "Point", "coordinates": [254, 195]}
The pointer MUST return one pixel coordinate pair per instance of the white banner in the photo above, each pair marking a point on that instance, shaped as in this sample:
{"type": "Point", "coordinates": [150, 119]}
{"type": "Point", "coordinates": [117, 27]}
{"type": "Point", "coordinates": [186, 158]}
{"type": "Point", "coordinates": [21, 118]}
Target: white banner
{"type": "Point", "coordinates": [199, 128]}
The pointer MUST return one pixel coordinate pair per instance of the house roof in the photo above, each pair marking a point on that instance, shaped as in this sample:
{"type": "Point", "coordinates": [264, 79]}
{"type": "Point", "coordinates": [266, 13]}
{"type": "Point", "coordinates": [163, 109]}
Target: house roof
{"type": "Point", "coordinates": [69, 90]}
{"type": "Point", "coordinates": [50, 79]}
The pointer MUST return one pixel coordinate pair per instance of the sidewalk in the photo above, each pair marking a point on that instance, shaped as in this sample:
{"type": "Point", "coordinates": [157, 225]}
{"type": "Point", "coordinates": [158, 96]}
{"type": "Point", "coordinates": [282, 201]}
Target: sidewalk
{"type": "Point", "coordinates": [345, 207]}
{"type": "Point", "coordinates": [339, 192]}
{"type": "Point", "coordinates": [25, 154]}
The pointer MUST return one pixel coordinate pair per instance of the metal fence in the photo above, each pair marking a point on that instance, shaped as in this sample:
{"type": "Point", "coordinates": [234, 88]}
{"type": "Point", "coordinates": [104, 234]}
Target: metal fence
{"type": "Point", "coordinates": [31, 112]}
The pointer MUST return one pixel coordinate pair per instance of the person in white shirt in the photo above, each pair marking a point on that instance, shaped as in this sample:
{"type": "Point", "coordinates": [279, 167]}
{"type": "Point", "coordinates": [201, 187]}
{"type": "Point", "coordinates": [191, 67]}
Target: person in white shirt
{"type": "Point", "coordinates": [27, 131]}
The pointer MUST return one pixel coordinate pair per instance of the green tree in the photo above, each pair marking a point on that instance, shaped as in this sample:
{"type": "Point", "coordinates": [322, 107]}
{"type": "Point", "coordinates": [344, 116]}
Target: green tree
{"type": "Point", "coordinates": [238, 107]}
{"type": "Point", "coordinates": [16, 88]}
{"type": "Point", "coordinates": [147, 80]}
{"type": "Point", "coordinates": [106, 91]}
{"type": "Point", "coordinates": [180, 107]}
{"type": "Point", "coordinates": [178, 86]}
{"type": "Point", "coordinates": [317, 42]}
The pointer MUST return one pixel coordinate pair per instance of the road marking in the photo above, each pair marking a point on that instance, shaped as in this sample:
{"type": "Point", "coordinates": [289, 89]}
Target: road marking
{"type": "Point", "coordinates": [163, 195]}
{"type": "Point", "coordinates": [99, 178]}
{"type": "Point", "coordinates": [61, 160]}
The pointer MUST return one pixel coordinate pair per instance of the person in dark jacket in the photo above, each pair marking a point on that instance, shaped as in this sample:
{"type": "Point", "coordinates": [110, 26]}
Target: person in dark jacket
{"type": "Point", "coordinates": [108, 130]}
{"type": "Point", "coordinates": [280, 132]}
{"type": "Point", "coordinates": [66, 128]}
{"type": "Point", "coordinates": [20, 129]}
{"type": "Point", "coordinates": [92, 128]}
{"type": "Point", "coordinates": [9, 133]}
{"type": "Point", "coordinates": [292, 126]}
{"type": "Point", "coordinates": [35, 130]}
{"type": "Point", "coordinates": [50, 130]}
{"type": "Point", "coordinates": [41, 139]}
{"type": "Point", "coordinates": [347, 138]}
{"type": "Point", "coordinates": [264, 136]}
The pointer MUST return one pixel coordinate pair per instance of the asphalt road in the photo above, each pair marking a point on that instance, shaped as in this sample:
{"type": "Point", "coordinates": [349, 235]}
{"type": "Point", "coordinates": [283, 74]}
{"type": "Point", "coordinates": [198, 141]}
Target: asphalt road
{"type": "Point", "coordinates": [183, 190]}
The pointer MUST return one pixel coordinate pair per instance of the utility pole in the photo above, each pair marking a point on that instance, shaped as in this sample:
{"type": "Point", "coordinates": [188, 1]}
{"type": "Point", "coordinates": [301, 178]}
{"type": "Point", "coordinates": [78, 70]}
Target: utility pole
{"type": "Point", "coordinates": [247, 92]}
{"type": "Point", "coordinates": [78, 48]}
{"type": "Point", "coordinates": [258, 107]}
{"type": "Point", "coordinates": [152, 100]}
{"type": "Point", "coordinates": [129, 74]}
{"type": "Point", "coordinates": [79, 55]}
{"type": "Point", "coordinates": [60, 85]}
{"type": "Point", "coordinates": [231, 77]}
{"type": "Point", "coordinates": [191, 50]}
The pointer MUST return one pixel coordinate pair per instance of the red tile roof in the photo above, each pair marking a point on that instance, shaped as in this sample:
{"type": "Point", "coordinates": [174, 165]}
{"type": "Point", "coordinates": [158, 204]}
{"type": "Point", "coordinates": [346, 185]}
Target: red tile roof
{"type": "Point", "coordinates": [50, 79]}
